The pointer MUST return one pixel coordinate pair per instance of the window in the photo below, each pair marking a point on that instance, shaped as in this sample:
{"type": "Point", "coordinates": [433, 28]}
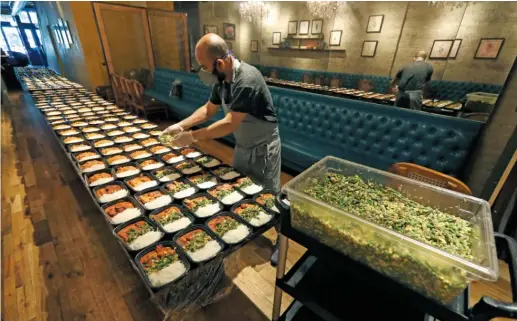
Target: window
{"type": "Point", "coordinates": [24, 17]}
{"type": "Point", "coordinates": [34, 17]}
{"type": "Point", "coordinates": [13, 37]}
{"type": "Point", "coordinates": [3, 43]}
{"type": "Point", "coordinates": [30, 38]}
{"type": "Point", "coordinates": [39, 35]}
{"type": "Point", "coordinates": [5, 18]}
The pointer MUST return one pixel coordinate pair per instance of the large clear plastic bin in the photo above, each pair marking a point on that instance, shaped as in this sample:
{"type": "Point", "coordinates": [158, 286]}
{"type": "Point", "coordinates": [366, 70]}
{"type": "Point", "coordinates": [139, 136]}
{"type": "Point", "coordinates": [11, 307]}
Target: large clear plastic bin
{"type": "Point", "coordinates": [426, 269]}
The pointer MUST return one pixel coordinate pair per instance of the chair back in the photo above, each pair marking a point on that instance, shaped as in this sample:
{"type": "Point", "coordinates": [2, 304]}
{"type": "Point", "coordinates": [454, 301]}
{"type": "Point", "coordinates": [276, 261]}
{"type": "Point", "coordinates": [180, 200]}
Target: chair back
{"type": "Point", "coordinates": [429, 176]}
{"type": "Point", "coordinates": [273, 74]}
{"type": "Point", "coordinates": [117, 89]}
{"type": "Point", "coordinates": [306, 78]}
{"type": "Point", "coordinates": [335, 82]}
{"type": "Point", "coordinates": [318, 80]}
{"type": "Point", "coordinates": [137, 94]}
{"type": "Point", "coordinates": [365, 85]}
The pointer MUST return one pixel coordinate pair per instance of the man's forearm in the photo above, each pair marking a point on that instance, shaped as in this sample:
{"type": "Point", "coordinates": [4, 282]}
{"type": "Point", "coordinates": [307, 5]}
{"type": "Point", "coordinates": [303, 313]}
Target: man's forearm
{"type": "Point", "coordinates": [218, 129]}
{"type": "Point", "coordinates": [394, 82]}
{"type": "Point", "coordinates": [197, 117]}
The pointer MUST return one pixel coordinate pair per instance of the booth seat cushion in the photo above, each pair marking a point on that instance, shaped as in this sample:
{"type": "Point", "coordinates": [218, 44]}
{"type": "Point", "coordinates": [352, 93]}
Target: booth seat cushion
{"type": "Point", "coordinates": [313, 126]}
{"type": "Point", "coordinates": [456, 90]}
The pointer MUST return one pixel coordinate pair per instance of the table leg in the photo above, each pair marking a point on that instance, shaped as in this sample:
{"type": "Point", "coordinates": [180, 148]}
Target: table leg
{"type": "Point", "coordinates": [280, 272]}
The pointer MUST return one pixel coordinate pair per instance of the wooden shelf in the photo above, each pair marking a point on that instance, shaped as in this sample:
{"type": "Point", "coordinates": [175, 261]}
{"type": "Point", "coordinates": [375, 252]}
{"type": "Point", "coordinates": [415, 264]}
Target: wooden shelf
{"type": "Point", "coordinates": [307, 49]}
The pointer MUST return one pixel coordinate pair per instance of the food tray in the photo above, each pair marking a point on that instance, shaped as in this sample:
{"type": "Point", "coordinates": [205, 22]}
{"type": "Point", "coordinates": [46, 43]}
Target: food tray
{"type": "Point", "coordinates": [266, 191]}
{"type": "Point", "coordinates": [183, 181]}
{"type": "Point", "coordinates": [157, 188]}
{"type": "Point", "coordinates": [183, 211]}
{"type": "Point", "coordinates": [126, 181]}
{"type": "Point", "coordinates": [125, 199]}
{"type": "Point", "coordinates": [192, 228]}
{"type": "Point", "coordinates": [158, 160]}
{"type": "Point", "coordinates": [146, 250]}
{"type": "Point", "coordinates": [248, 201]}
{"type": "Point", "coordinates": [96, 188]}
{"type": "Point", "coordinates": [413, 263]}
{"type": "Point", "coordinates": [221, 206]}
{"type": "Point", "coordinates": [74, 155]}
{"type": "Point", "coordinates": [213, 179]}
{"type": "Point", "coordinates": [86, 176]}
{"type": "Point", "coordinates": [235, 217]}
{"type": "Point", "coordinates": [114, 168]}
{"type": "Point", "coordinates": [154, 171]}
{"type": "Point", "coordinates": [208, 167]}
{"type": "Point", "coordinates": [225, 179]}
{"type": "Point", "coordinates": [244, 196]}
{"type": "Point", "coordinates": [137, 219]}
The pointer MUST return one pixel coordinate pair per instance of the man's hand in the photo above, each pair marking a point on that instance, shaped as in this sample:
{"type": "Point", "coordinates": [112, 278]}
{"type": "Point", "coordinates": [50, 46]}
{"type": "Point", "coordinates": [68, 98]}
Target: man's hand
{"type": "Point", "coordinates": [395, 89]}
{"type": "Point", "coordinates": [183, 139]}
{"type": "Point", "coordinates": [172, 130]}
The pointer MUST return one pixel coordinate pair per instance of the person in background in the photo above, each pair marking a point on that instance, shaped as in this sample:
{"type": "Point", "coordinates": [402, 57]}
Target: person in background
{"type": "Point", "coordinates": [410, 81]}
{"type": "Point", "coordinates": [249, 114]}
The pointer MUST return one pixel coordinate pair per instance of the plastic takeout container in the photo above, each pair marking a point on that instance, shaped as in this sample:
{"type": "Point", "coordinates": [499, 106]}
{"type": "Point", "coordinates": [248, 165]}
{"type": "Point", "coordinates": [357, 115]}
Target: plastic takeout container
{"type": "Point", "coordinates": [424, 268]}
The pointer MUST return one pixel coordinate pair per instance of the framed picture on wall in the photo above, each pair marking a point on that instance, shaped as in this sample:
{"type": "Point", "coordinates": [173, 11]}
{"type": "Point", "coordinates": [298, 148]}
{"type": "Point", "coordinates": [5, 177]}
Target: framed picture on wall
{"type": "Point", "coordinates": [277, 38]}
{"type": "Point", "coordinates": [369, 48]}
{"type": "Point", "coordinates": [254, 46]}
{"type": "Point", "coordinates": [455, 48]}
{"type": "Point", "coordinates": [304, 27]}
{"type": "Point", "coordinates": [292, 27]}
{"type": "Point", "coordinates": [335, 38]}
{"type": "Point", "coordinates": [489, 48]}
{"type": "Point", "coordinates": [229, 31]}
{"type": "Point", "coordinates": [375, 24]}
{"type": "Point", "coordinates": [209, 29]}
{"type": "Point", "coordinates": [317, 26]}
{"type": "Point", "coordinates": [441, 49]}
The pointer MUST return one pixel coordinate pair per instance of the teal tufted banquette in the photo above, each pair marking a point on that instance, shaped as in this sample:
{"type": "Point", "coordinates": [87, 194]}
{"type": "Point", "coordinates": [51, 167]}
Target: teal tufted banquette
{"type": "Point", "coordinates": [313, 126]}
{"type": "Point", "coordinates": [437, 89]}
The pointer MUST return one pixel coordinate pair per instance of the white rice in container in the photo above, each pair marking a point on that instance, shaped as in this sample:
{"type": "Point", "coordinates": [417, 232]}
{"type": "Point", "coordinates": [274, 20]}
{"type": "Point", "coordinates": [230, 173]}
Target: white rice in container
{"type": "Point", "coordinates": [126, 215]}
{"type": "Point", "coordinates": [113, 196]}
{"type": "Point", "coordinates": [108, 126]}
{"type": "Point", "coordinates": [70, 133]}
{"type": "Point", "coordinates": [127, 173]}
{"type": "Point", "coordinates": [94, 168]}
{"type": "Point", "coordinates": [236, 235]}
{"type": "Point", "coordinates": [152, 166]}
{"type": "Point", "coordinates": [204, 185]}
{"type": "Point", "coordinates": [191, 170]}
{"type": "Point", "coordinates": [252, 189]}
{"type": "Point", "coordinates": [207, 210]}
{"type": "Point", "coordinates": [212, 163]}
{"type": "Point", "coordinates": [177, 225]}
{"type": "Point", "coordinates": [123, 140]}
{"type": "Point", "coordinates": [112, 152]}
{"type": "Point", "coordinates": [145, 240]}
{"type": "Point", "coordinates": [151, 144]}
{"type": "Point", "coordinates": [230, 175]}
{"type": "Point", "coordinates": [95, 136]}
{"type": "Point", "coordinates": [74, 140]}
{"type": "Point", "coordinates": [232, 198]}
{"type": "Point", "coordinates": [206, 252]}
{"type": "Point", "coordinates": [167, 274]}
{"type": "Point", "coordinates": [115, 133]}
{"type": "Point", "coordinates": [120, 161]}
{"type": "Point", "coordinates": [142, 186]}
{"type": "Point", "coordinates": [80, 148]}
{"type": "Point", "coordinates": [159, 202]}
{"type": "Point", "coordinates": [143, 156]}
{"type": "Point", "coordinates": [193, 154]}
{"type": "Point", "coordinates": [140, 135]}
{"type": "Point", "coordinates": [185, 193]}
{"type": "Point", "coordinates": [162, 150]}
{"type": "Point", "coordinates": [132, 148]}
{"type": "Point", "coordinates": [131, 130]}
{"type": "Point", "coordinates": [170, 177]}
{"type": "Point", "coordinates": [89, 158]}
{"type": "Point", "coordinates": [261, 219]}
{"type": "Point", "coordinates": [176, 159]}
{"type": "Point", "coordinates": [102, 181]}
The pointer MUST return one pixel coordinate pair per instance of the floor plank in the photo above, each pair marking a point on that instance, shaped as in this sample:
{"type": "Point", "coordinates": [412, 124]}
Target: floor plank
{"type": "Point", "coordinates": [61, 263]}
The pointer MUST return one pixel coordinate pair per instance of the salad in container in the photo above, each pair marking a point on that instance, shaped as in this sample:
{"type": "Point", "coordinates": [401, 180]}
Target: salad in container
{"type": "Point", "coordinates": [180, 189]}
{"type": "Point", "coordinates": [198, 243]}
{"type": "Point", "coordinates": [246, 185]}
{"type": "Point", "coordinates": [171, 219]}
{"type": "Point", "coordinates": [190, 152]}
{"type": "Point", "coordinates": [267, 200]}
{"type": "Point", "coordinates": [188, 167]}
{"type": "Point", "coordinates": [161, 264]}
{"type": "Point", "coordinates": [122, 210]}
{"type": "Point", "coordinates": [203, 180]}
{"type": "Point", "coordinates": [166, 174]}
{"type": "Point", "coordinates": [252, 213]}
{"type": "Point", "coordinates": [208, 161]}
{"type": "Point", "coordinates": [228, 228]}
{"type": "Point", "coordinates": [202, 205]}
{"type": "Point", "coordinates": [173, 158]}
{"type": "Point", "coordinates": [226, 173]}
{"type": "Point", "coordinates": [138, 233]}
{"type": "Point", "coordinates": [226, 194]}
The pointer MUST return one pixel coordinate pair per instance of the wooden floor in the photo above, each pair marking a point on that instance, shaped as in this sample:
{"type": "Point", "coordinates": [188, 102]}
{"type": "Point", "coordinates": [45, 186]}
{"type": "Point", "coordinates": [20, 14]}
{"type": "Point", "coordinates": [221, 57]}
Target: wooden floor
{"type": "Point", "coordinates": [60, 261]}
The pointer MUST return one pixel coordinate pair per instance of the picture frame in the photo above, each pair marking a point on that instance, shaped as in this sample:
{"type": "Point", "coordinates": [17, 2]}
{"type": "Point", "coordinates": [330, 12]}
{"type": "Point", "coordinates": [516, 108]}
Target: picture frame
{"type": "Point", "coordinates": [209, 29]}
{"type": "Point", "coordinates": [317, 27]}
{"type": "Point", "coordinates": [229, 31]}
{"type": "Point", "coordinates": [441, 49]}
{"type": "Point", "coordinates": [375, 23]}
{"type": "Point", "coordinates": [335, 37]}
{"type": "Point", "coordinates": [304, 27]}
{"type": "Point", "coordinates": [254, 46]}
{"type": "Point", "coordinates": [455, 48]}
{"type": "Point", "coordinates": [292, 27]}
{"type": "Point", "coordinates": [277, 38]}
{"type": "Point", "coordinates": [489, 48]}
{"type": "Point", "coordinates": [369, 48]}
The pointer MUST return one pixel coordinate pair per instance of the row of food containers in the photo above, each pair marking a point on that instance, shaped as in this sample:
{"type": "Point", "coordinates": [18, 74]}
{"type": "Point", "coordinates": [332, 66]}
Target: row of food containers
{"type": "Point", "coordinates": [171, 208]}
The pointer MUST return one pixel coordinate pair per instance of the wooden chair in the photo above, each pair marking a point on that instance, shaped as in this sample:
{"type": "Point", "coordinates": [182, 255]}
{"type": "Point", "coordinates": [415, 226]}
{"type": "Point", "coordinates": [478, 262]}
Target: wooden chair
{"type": "Point", "coordinates": [144, 103]}
{"type": "Point", "coordinates": [273, 74]}
{"type": "Point", "coordinates": [365, 85]}
{"type": "Point", "coordinates": [117, 90]}
{"type": "Point", "coordinates": [335, 82]}
{"type": "Point", "coordinates": [126, 93]}
{"type": "Point", "coordinates": [429, 176]}
{"type": "Point", "coordinates": [306, 78]}
{"type": "Point", "coordinates": [318, 80]}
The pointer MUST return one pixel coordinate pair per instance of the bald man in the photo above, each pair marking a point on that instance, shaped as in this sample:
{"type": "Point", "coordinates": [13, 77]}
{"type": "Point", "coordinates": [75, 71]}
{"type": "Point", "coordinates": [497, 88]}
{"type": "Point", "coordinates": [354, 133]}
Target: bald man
{"type": "Point", "coordinates": [249, 112]}
{"type": "Point", "coordinates": [411, 80]}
